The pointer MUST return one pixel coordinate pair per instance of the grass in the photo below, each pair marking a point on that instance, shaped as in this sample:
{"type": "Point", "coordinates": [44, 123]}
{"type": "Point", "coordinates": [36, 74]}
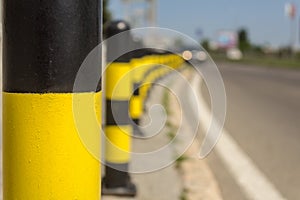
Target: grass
{"type": "Point", "coordinates": [171, 135]}
{"type": "Point", "coordinates": [292, 63]}
{"type": "Point", "coordinates": [275, 62]}
{"type": "Point", "coordinates": [169, 124]}
{"type": "Point", "coordinates": [165, 101]}
{"type": "Point", "coordinates": [180, 160]}
{"type": "Point", "coordinates": [171, 129]}
{"type": "Point", "coordinates": [183, 195]}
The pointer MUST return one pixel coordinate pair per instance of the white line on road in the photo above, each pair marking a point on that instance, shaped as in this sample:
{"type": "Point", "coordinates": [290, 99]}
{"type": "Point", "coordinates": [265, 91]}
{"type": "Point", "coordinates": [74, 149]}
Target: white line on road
{"type": "Point", "coordinates": [253, 182]}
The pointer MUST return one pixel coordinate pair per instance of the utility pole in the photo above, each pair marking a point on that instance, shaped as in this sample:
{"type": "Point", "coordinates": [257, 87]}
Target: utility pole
{"type": "Point", "coordinates": [290, 11]}
{"type": "Point", "coordinates": [150, 11]}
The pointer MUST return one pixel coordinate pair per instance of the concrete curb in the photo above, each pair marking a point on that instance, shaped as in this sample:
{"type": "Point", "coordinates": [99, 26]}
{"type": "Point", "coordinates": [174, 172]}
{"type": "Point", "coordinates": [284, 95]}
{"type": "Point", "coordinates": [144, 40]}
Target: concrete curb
{"type": "Point", "coordinates": [198, 180]}
{"type": "Point", "coordinates": [162, 184]}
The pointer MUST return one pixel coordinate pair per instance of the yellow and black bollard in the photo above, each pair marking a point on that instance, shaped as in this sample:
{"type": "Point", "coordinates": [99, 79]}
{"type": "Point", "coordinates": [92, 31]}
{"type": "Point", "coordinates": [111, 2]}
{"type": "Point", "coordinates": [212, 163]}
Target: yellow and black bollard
{"type": "Point", "coordinates": [118, 129]}
{"type": "Point", "coordinates": [136, 103]}
{"type": "Point", "coordinates": [44, 44]}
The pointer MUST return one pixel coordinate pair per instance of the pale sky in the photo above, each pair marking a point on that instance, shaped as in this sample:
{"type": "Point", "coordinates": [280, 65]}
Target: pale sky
{"type": "Point", "coordinates": [265, 20]}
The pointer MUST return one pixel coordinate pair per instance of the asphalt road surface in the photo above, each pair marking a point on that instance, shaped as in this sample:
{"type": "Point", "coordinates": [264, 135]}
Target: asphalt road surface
{"type": "Point", "coordinates": [263, 117]}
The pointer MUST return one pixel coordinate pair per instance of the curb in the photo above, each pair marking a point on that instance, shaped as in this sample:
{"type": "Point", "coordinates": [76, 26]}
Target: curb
{"type": "Point", "coordinates": [198, 180]}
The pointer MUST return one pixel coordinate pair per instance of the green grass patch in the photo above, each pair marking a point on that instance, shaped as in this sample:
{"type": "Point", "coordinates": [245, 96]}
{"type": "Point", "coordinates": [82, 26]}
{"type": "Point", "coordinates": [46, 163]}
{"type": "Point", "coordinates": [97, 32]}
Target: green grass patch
{"type": "Point", "coordinates": [183, 195]}
{"type": "Point", "coordinates": [171, 135]}
{"type": "Point", "coordinates": [291, 63]}
{"type": "Point", "coordinates": [165, 101]}
{"type": "Point", "coordinates": [180, 160]}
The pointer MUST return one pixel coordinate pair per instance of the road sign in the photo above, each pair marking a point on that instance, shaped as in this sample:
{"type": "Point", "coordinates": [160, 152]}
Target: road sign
{"type": "Point", "coordinates": [290, 10]}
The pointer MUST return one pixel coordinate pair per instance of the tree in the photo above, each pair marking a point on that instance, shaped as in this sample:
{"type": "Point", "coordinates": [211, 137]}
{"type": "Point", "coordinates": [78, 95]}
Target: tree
{"type": "Point", "coordinates": [244, 43]}
{"type": "Point", "coordinates": [205, 44]}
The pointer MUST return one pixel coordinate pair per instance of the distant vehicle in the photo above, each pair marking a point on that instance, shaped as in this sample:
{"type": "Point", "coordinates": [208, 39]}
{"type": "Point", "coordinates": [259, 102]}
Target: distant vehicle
{"type": "Point", "coordinates": [199, 55]}
{"type": "Point", "coordinates": [234, 54]}
{"type": "Point", "coordinates": [195, 55]}
{"type": "Point", "coordinates": [187, 55]}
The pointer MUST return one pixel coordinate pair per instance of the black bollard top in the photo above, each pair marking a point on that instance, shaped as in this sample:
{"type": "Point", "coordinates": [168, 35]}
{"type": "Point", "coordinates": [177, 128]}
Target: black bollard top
{"type": "Point", "coordinates": [118, 46]}
{"type": "Point", "coordinates": [116, 27]}
{"type": "Point", "coordinates": [45, 43]}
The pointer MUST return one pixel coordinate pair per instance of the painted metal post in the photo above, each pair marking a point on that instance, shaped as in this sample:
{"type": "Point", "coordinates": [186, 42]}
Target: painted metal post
{"type": "Point", "coordinates": [118, 129]}
{"type": "Point", "coordinates": [136, 103]}
{"type": "Point", "coordinates": [44, 44]}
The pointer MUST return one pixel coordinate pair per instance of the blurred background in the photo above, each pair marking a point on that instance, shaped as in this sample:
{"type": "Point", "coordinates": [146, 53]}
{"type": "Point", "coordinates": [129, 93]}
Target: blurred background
{"type": "Point", "coordinates": [257, 28]}
{"type": "Point", "coordinates": [256, 47]}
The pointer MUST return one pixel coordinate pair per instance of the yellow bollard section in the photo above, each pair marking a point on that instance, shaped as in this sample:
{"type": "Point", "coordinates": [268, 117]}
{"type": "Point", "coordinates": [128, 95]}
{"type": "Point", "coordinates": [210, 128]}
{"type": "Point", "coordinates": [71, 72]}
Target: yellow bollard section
{"type": "Point", "coordinates": [44, 157]}
{"type": "Point", "coordinates": [118, 130]}
{"type": "Point", "coordinates": [136, 103]}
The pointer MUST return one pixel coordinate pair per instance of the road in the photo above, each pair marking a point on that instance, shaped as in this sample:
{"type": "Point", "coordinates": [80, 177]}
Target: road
{"type": "Point", "coordinates": [263, 117]}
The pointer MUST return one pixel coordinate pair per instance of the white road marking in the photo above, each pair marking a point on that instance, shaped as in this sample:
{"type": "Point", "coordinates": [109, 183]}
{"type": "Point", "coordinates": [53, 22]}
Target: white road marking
{"type": "Point", "coordinates": [253, 182]}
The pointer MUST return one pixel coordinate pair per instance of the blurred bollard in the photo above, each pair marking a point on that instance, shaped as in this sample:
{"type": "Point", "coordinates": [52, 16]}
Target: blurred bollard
{"type": "Point", "coordinates": [118, 129]}
{"type": "Point", "coordinates": [45, 43]}
{"type": "Point", "coordinates": [160, 63]}
{"type": "Point", "coordinates": [149, 64]}
{"type": "Point", "coordinates": [152, 72]}
{"type": "Point", "coordinates": [136, 102]}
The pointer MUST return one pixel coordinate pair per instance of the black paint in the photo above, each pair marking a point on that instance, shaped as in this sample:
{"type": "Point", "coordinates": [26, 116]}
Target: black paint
{"type": "Point", "coordinates": [117, 113]}
{"type": "Point", "coordinates": [45, 42]}
{"type": "Point", "coordinates": [136, 89]}
{"type": "Point", "coordinates": [119, 43]}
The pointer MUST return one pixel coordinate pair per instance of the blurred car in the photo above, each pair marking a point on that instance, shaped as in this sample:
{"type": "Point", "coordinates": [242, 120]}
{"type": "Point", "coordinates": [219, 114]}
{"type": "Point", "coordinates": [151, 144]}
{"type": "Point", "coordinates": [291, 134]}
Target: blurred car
{"type": "Point", "coordinates": [199, 55]}
{"type": "Point", "coordinates": [234, 54]}
{"type": "Point", "coordinates": [195, 55]}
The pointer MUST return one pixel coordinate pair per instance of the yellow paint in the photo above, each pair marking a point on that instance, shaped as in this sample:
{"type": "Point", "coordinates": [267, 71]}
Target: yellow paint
{"type": "Point", "coordinates": [118, 144]}
{"type": "Point", "coordinates": [118, 81]}
{"type": "Point", "coordinates": [136, 107]}
{"type": "Point", "coordinates": [138, 67]}
{"type": "Point", "coordinates": [43, 154]}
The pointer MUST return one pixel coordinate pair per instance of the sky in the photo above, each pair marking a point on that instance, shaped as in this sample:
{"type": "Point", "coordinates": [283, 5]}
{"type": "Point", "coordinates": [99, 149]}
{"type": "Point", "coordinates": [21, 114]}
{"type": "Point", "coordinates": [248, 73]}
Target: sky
{"type": "Point", "coordinates": [265, 20]}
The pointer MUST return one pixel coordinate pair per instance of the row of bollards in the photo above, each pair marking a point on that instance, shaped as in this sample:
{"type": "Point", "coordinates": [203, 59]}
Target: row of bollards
{"type": "Point", "coordinates": [128, 80]}
{"type": "Point", "coordinates": [44, 46]}
{"type": "Point", "coordinates": [118, 129]}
